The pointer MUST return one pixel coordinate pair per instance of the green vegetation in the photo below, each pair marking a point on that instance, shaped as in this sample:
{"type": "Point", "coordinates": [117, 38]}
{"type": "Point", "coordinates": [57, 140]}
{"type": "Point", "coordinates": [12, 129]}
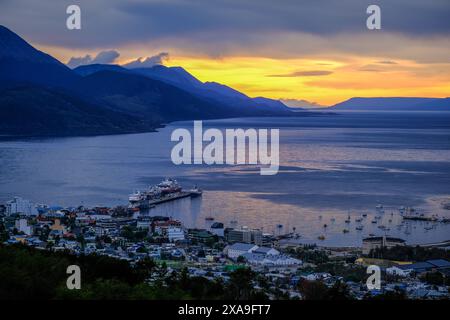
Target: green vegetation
{"type": "Point", "coordinates": [317, 290]}
{"type": "Point", "coordinates": [408, 253]}
{"type": "Point", "coordinates": [27, 273]}
{"type": "Point", "coordinates": [309, 253]}
{"type": "Point", "coordinates": [349, 272]}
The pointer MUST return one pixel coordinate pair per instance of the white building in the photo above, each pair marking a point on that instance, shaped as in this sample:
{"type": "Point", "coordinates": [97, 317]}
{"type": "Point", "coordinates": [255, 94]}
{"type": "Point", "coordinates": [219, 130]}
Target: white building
{"type": "Point", "coordinates": [19, 205]}
{"type": "Point", "coordinates": [268, 260]}
{"type": "Point", "coordinates": [175, 234]}
{"type": "Point", "coordinates": [238, 249]}
{"type": "Point", "coordinates": [217, 228]}
{"type": "Point", "coordinates": [267, 251]}
{"type": "Point", "coordinates": [396, 271]}
{"type": "Point", "coordinates": [22, 226]}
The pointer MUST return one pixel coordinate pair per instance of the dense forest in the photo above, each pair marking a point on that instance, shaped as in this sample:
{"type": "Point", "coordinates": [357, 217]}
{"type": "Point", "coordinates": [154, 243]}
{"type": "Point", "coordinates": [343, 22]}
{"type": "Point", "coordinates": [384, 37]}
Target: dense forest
{"type": "Point", "coordinates": [27, 273]}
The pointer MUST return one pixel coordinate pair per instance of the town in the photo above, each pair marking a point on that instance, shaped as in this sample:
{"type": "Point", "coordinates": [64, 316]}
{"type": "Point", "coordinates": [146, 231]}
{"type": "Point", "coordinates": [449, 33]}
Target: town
{"type": "Point", "coordinates": [284, 270]}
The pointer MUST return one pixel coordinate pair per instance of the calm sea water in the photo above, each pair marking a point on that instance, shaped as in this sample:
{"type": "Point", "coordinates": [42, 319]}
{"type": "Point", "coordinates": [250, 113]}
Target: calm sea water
{"type": "Point", "coordinates": [332, 166]}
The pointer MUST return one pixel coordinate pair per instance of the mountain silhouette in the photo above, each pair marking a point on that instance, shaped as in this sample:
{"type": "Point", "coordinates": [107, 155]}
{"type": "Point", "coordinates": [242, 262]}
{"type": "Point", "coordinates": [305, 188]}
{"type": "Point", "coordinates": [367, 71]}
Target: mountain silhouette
{"type": "Point", "coordinates": [42, 96]}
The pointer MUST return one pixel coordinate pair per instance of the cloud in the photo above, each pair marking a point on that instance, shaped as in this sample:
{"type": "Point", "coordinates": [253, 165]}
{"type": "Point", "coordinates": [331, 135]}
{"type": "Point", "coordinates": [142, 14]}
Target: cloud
{"type": "Point", "coordinates": [148, 62]}
{"type": "Point", "coordinates": [309, 73]}
{"type": "Point", "coordinates": [103, 57]}
{"type": "Point", "coordinates": [386, 62]}
{"type": "Point", "coordinates": [79, 61]}
{"type": "Point", "coordinates": [411, 29]}
{"type": "Point", "coordinates": [301, 103]}
{"type": "Point", "coordinates": [108, 56]}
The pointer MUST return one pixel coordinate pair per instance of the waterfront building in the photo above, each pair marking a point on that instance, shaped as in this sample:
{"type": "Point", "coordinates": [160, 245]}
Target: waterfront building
{"type": "Point", "coordinates": [218, 229]}
{"type": "Point", "coordinates": [244, 235]}
{"type": "Point", "coordinates": [381, 242]}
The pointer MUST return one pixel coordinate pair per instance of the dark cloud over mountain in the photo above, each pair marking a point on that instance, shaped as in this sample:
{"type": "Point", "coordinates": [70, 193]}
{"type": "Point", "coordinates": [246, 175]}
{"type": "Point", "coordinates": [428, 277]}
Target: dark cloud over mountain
{"type": "Point", "coordinates": [148, 62]}
{"type": "Point", "coordinates": [103, 57]}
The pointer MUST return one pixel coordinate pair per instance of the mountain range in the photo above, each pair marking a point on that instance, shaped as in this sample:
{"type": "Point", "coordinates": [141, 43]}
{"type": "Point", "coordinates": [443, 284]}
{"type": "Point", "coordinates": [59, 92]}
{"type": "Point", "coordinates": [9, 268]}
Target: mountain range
{"type": "Point", "coordinates": [41, 96]}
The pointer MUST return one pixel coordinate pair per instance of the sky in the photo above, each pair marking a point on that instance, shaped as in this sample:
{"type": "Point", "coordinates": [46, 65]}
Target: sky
{"type": "Point", "coordinates": [315, 51]}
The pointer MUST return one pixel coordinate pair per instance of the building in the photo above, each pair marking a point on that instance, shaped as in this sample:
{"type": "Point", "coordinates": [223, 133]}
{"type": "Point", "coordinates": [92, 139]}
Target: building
{"type": "Point", "coordinates": [160, 226]}
{"type": "Point", "coordinates": [22, 226]}
{"type": "Point", "coordinates": [267, 251]}
{"type": "Point", "coordinates": [268, 260]}
{"type": "Point", "coordinates": [238, 249]}
{"type": "Point", "coordinates": [218, 229]}
{"type": "Point", "coordinates": [175, 234]}
{"type": "Point", "coordinates": [201, 235]}
{"type": "Point", "coordinates": [439, 264]}
{"type": "Point", "coordinates": [398, 271]}
{"type": "Point", "coordinates": [381, 242]}
{"type": "Point", "coordinates": [144, 223]}
{"type": "Point", "coordinates": [244, 235]}
{"type": "Point", "coordinates": [105, 227]}
{"type": "Point", "coordinates": [19, 205]}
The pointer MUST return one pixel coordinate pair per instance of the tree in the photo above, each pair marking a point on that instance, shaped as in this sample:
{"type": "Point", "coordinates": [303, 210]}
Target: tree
{"type": "Point", "coordinates": [145, 267]}
{"type": "Point", "coordinates": [339, 291]}
{"type": "Point", "coordinates": [240, 285]}
{"type": "Point", "coordinates": [241, 259]}
{"type": "Point", "coordinates": [313, 290]}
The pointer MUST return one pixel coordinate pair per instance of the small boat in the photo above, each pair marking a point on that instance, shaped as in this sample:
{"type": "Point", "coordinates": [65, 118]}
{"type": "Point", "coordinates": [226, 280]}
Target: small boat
{"type": "Point", "coordinates": [322, 237]}
{"type": "Point", "coordinates": [358, 219]}
{"type": "Point", "coordinates": [374, 221]}
{"type": "Point", "coordinates": [196, 192]}
{"type": "Point", "coordinates": [325, 225]}
{"type": "Point", "coordinates": [359, 228]}
{"type": "Point", "coordinates": [364, 215]}
{"type": "Point", "coordinates": [209, 218]}
{"type": "Point", "coordinates": [345, 231]}
{"type": "Point", "coordinates": [371, 235]}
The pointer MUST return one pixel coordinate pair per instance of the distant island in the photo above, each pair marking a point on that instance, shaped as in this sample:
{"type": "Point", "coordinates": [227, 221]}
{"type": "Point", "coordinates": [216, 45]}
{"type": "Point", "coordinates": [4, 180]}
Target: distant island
{"type": "Point", "coordinates": [393, 104]}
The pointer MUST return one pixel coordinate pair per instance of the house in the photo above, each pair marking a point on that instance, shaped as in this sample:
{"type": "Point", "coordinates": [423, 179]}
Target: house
{"type": "Point", "coordinates": [238, 249]}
